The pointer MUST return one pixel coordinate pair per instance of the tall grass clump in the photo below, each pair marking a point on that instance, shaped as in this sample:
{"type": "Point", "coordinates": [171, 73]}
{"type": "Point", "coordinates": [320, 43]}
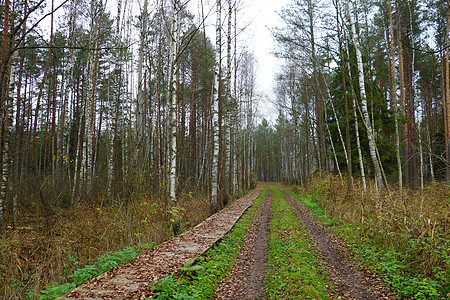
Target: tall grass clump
{"type": "Point", "coordinates": [406, 233]}
{"type": "Point", "coordinates": [45, 249]}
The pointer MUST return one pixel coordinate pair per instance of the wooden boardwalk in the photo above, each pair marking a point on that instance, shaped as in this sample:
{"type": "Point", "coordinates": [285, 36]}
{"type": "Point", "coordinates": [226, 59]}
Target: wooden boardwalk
{"type": "Point", "coordinates": [133, 280]}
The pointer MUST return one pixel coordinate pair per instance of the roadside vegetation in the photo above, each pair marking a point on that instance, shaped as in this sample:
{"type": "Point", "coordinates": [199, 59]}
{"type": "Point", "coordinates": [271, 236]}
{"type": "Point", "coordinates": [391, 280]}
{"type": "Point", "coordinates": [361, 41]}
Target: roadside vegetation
{"type": "Point", "coordinates": [48, 252]}
{"type": "Point", "coordinates": [200, 279]}
{"type": "Point", "coordinates": [103, 264]}
{"type": "Point", "coordinates": [293, 271]}
{"type": "Point", "coordinates": [403, 235]}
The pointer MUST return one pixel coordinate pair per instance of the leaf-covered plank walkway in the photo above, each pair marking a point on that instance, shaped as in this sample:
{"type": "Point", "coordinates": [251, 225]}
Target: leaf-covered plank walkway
{"type": "Point", "coordinates": [133, 280]}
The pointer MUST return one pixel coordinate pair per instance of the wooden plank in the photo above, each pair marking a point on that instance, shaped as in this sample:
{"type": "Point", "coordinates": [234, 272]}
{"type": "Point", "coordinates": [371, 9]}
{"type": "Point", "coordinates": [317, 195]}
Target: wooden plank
{"type": "Point", "coordinates": [133, 280]}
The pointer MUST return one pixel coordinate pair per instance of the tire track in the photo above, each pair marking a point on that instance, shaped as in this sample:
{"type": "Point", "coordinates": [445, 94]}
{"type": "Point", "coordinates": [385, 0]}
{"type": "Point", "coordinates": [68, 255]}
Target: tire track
{"type": "Point", "coordinates": [350, 283]}
{"type": "Point", "coordinates": [246, 279]}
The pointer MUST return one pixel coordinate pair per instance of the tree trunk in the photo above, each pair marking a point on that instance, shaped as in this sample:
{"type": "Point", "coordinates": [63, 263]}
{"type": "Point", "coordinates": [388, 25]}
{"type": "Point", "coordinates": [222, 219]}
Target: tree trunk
{"type": "Point", "coordinates": [365, 112]}
{"type": "Point", "coordinates": [355, 115]}
{"type": "Point", "coordinates": [394, 99]}
{"type": "Point", "coordinates": [318, 101]}
{"type": "Point", "coordinates": [215, 110]}
{"type": "Point", "coordinates": [227, 127]}
{"type": "Point", "coordinates": [347, 116]}
{"type": "Point", "coordinates": [173, 112]}
{"type": "Point", "coordinates": [17, 159]}
{"type": "Point", "coordinates": [447, 91]}
{"type": "Point", "coordinates": [140, 97]}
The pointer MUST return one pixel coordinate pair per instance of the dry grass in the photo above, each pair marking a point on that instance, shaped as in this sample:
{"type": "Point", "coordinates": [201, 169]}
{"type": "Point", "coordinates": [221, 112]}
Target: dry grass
{"type": "Point", "coordinates": [393, 219]}
{"type": "Point", "coordinates": [41, 251]}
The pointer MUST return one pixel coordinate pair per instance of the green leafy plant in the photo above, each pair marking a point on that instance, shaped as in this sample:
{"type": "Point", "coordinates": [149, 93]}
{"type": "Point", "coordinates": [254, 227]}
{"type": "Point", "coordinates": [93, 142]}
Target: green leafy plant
{"type": "Point", "coordinates": [80, 276]}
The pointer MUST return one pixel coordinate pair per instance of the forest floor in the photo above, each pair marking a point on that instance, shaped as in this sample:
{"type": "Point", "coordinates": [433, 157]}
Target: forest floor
{"type": "Point", "coordinates": [267, 263]}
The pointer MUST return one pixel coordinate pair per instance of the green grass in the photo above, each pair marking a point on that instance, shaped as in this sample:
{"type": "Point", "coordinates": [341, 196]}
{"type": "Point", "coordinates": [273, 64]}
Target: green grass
{"type": "Point", "coordinates": [394, 266]}
{"type": "Point", "coordinates": [293, 271]}
{"type": "Point", "coordinates": [200, 279]}
{"type": "Point", "coordinates": [80, 276]}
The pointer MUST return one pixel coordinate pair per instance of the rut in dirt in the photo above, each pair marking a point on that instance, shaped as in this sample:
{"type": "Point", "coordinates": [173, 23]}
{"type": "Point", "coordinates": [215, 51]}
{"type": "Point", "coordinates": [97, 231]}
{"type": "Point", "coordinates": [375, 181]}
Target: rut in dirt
{"type": "Point", "coordinates": [350, 283]}
{"type": "Point", "coordinates": [246, 279]}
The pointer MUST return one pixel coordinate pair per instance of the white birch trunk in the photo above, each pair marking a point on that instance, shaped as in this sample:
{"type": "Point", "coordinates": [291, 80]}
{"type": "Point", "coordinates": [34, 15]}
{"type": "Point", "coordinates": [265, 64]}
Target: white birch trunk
{"type": "Point", "coordinates": [173, 110]}
{"type": "Point", "coordinates": [332, 143]}
{"type": "Point", "coordinates": [413, 79]}
{"type": "Point", "coordinates": [421, 164]}
{"type": "Point", "coordinates": [337, 123]}
{"type": "Point", "coordinates": [215, 110]}
{"type": "Point", "coordinates": [9, 107]}
{"type": "Point", "coordinates": [87, 164]}
{"type": "Point", "coordinates": [394, 95]}
{"type": "Point", "coordinates": [235, 152]}
{"type": "Point", "coordinates": [355, 115]}
{"type": "Point", "coordinates": [5, 151]}
{"type": "Point", "coordinates": [227, 115]}
{"type": "Point", "coordinates": [114, 120]}
{"type": "Point", "coordinates": [430, 153]}
{"type": "Point", "coordinates": [365, 112]}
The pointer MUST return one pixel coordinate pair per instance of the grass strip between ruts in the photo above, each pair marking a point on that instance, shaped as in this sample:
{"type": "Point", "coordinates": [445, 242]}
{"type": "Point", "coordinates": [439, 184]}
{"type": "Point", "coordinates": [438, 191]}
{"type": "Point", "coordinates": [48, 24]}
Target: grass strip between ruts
{"type": "Point", "coordinates": [385, 262]}
{"type": "Point", "coordinates": [293, 271]}
{"type": "Point", "coordinates": [200, 279]}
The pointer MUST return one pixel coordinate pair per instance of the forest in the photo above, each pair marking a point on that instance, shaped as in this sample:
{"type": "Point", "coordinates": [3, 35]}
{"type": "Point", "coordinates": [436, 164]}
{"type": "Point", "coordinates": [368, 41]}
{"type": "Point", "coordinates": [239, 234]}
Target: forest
{"type": "Point", "coordinates": [362, 92]}
{"type": "Point", "coordinates": [123, 124]}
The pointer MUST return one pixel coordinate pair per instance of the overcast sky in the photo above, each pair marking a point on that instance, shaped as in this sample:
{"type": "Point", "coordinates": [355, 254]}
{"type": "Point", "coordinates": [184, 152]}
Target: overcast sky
{"type": "Point", "coordinates": [257, 17]}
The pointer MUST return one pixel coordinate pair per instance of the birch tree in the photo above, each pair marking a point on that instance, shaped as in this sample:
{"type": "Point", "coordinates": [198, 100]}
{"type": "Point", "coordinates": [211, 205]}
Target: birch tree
{"type": "Point", "coordinates": [4, 81]}
{"type": "Point", "coordinates": [173, 109]}
{"type": "Point", "coordinates": [365, 112]}
{"type": "Point", "coordinates": [215, 110]}
{"type": "Point", "coordinates": [394, 98]}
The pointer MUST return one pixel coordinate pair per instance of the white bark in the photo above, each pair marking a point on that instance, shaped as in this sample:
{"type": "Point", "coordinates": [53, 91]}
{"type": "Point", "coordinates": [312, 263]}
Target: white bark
{"type": "Point", "coordinates": [235, 125]}
{"type": "Point", "coordinates": [355, 115]}
{"type": "Point", "coordinates": [332, 143]}
{"type": "Point", "coordinates": [365, 112]}
{"type": "Point", "coordinates": [394, 95]}
{"type": "Point", "coordinates": [87, 164]}
{"type": "Point", "coordinates": [413, 79]}
{"type": "Point", "coordinates": [173, 104]}
{"type": "Point", "coordinates": [215, 110]}
{"type": "Point", "coordinates": [337, 123]}
{"type": "Point", "coordinates": [421, 164]}
{"type": "Point", "coordinates": [227, 114]}
{"type": "Point", "coordinates": [5, 151]}
{"type": "Point", "coordinates": [430, 153]}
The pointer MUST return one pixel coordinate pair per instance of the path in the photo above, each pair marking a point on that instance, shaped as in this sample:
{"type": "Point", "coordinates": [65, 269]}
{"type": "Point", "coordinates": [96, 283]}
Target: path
{"type": "Point", "coordinates": [246, 280]}
{"type": "Point", "coordinates": [247, 276]}
{"type": "Point", "coordinates": [133, 280]}
{"type": "Point", "coordinates": [351, 283]}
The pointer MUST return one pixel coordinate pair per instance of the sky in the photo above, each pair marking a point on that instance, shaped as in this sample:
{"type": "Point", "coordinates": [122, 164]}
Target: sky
{"type": "Point", "coordinates": [258, 17]}
{"type": "Point", "coordinates": [264, 16]}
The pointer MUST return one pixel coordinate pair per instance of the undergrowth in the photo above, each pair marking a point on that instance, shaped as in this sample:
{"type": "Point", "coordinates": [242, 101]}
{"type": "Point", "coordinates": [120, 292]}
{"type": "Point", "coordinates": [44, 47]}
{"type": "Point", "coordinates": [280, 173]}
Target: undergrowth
{"type": "Point", "coordinates": [293, 272]}
{"type": "Point", "coordinates": [80, 276]}
{"type": "Point", "coordinates": [38, 253]}
{"type": "Point", "coordinates": [200, 279]}
{"type": "Point", "coordinates": [402, 235]}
